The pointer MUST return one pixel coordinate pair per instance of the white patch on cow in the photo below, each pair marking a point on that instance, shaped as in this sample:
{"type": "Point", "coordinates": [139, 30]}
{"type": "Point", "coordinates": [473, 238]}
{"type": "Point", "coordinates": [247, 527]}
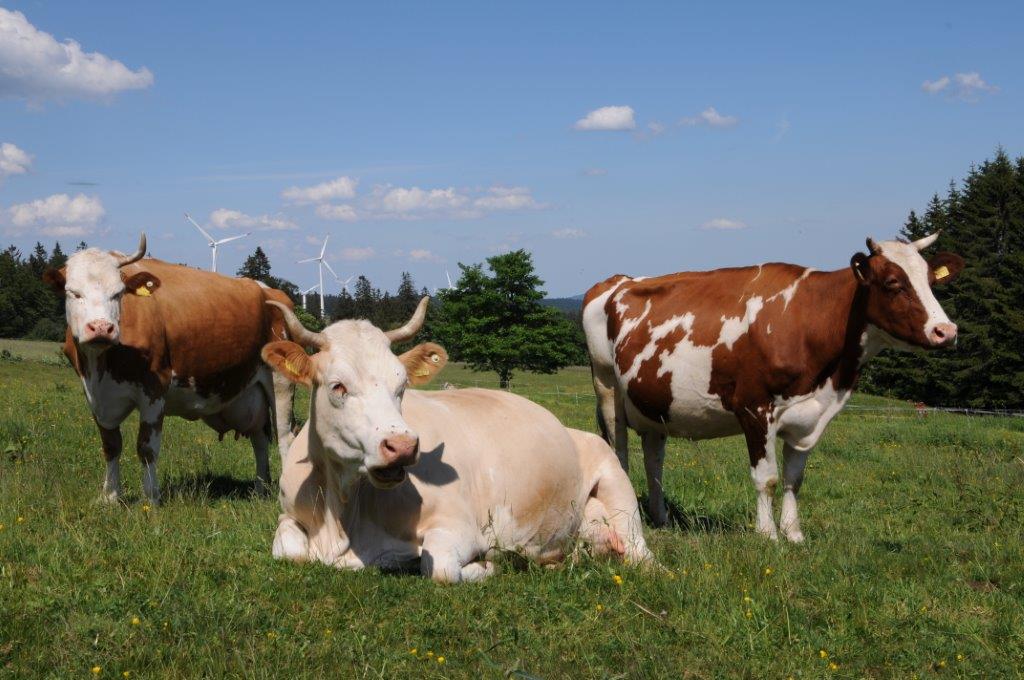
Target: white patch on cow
{"type": "Point", "coordinates": [657, 333]}
{"type": "Point", "coordinates": [768, 330]}
{"type": "Point", "coordinates": [765, 475]}
{"type": "Point", "coordinates": [92, 287]}
{"type": "Point", "coordinates": [789, 291]}
{"type": "Point", "coordinates": [906, 256]}
{"type": "Point", "coordinates": [735, 327]}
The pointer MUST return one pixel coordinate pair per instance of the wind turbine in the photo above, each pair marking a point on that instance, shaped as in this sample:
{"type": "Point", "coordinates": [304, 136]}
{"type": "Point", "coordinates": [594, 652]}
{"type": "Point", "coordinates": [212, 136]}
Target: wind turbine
{"type": "Point", "coordinates": [449, 286]}
{"type": "Point", "coordinates": [212, 242]}
{"type": "Point", "coordinates": [308, 291]}
{"type": "Point", "coordinates": [319, 259]}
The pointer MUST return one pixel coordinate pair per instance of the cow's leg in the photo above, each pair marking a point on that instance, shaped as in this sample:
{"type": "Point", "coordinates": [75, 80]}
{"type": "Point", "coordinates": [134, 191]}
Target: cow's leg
{"type": "Point", "coordinates": [112, 444]}
{"type": "Point", "coordinates": [654, 463]}
{"type": "Point", "coordinates": [444, 554]}
{"type": "Point", "coordinates": [793, 462]}
{"type": "Point", "coordinates": [260, 439]}
{"type": "Point", "coordinates": [290, 541]}
{"type": "Point", "coordinates": [284, 400]}
{"type": "Point", "coordinates": [611, 417]}
{"type": "Point", "coordinates": [151, 425]}
{"type": "Point", "coordinates": [764, 469]}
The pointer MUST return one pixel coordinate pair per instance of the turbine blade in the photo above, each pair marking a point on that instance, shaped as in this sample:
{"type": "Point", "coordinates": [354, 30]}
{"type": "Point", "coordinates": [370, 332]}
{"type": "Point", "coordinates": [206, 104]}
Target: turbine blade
{"type": "Point", "coordinates": [233, 238]}
{"type": "Point", "coordinates": [201, 230]}
{"type": "Point", "coordinates": [308, 259]}
{"type": "Point", "coordinates": [331, 271]}
{"type": "Point", "coordinates": [324, 249]}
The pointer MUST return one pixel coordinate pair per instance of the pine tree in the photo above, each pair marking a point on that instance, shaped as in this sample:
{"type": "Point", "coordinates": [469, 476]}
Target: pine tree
{"type": "Point", "coordinates": [496, 322]}
{"type": "Point", "coordinates": [57, 257]}
{"type": "Point", "coordinates": [983, 221]}
{"type": "Point", "coordinates": [256, 266]}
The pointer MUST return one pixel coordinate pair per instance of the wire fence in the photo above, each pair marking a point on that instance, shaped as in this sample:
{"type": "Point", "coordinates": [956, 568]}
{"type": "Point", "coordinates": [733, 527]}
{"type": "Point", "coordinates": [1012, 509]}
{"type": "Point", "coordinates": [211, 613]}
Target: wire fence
{"type": "Point", "coordinates": [903, 410]}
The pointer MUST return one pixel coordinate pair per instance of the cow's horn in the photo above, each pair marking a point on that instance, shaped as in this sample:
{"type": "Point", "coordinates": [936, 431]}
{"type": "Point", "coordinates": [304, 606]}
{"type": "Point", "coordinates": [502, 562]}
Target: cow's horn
{"type": "Point", "coordinates": [873, 247]}
{"type": "Point", "coordinates": [300, 333]}
{"type": "Point", "coordinates": [124, 260]}
{"type": "Point", "coordinates": [412, 326]}
{"type": "Point", "coordinates": [923, 243]}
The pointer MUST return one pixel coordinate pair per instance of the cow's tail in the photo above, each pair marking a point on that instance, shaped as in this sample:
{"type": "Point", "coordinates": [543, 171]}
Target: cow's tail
{"type": "Point", "coordinates": [602, 425]}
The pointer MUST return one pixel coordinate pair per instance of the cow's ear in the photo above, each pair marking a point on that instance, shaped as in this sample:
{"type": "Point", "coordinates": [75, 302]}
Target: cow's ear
{"type": "Point", "coordinates": [142, 284]}
{"type": "Point", "coordinates": [54, 278]}
{"type": "Point", "coordinates": [290, 360]}
{"type": "Point", "coordinates": [944, 267]}
{"type": "Point", "coordinates": [861, 268]}
{"type": "Point", "coordinates": [423, 362]}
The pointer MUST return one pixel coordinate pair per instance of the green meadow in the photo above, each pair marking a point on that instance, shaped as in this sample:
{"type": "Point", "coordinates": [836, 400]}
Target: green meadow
{"type": "Point", "coordinates": [914, 564]}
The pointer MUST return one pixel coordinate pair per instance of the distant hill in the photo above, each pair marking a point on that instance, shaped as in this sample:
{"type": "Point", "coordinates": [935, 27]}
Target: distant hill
{"type": "Point", "coordinates": [569, 305]}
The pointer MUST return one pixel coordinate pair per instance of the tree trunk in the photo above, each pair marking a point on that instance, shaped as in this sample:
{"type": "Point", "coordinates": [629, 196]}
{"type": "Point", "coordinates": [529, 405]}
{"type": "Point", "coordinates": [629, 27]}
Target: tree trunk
{"type": "Point", "coordinates": [504, 378]}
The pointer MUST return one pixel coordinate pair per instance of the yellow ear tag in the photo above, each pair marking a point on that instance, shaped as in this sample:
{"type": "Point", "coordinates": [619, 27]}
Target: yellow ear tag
{"type": "Point", "coordinates": [143, 291]}
{"type": "Point", "coordinates": [290, 367]}
{"type": "Point", "coordinates": [422, 372]}
{"type": "Point", "coordinates": [941, 272]}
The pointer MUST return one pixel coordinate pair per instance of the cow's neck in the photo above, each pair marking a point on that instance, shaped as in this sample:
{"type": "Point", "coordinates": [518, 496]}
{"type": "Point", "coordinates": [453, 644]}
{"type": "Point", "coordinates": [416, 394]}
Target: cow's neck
{"type": "Point", "coordinates": [840, 333]}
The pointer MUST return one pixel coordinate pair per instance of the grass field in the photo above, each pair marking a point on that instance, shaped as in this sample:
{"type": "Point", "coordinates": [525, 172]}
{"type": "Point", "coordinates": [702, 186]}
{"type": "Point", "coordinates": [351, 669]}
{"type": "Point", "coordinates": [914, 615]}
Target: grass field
{"type": "Point", "coordinates": [913, 565]}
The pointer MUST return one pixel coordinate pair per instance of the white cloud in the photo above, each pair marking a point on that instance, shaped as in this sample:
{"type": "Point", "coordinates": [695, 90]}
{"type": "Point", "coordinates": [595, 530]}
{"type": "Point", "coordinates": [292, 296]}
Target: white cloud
{"type": "Point", "coordinates": [400, 200]}
{"type": "Point", "coordinates": [712, 118]}
{"type": "Point", "coordinates": [937, 85]}
{"type": "Point", "coordinates": [723, 224]}
{"type": "Point", "coordinates": [34, 66]}
{"type": "Point", "coordinates": [568, 233]}
{"type": "Point", "coordinates": [656, 128]}
{"type": "Point", "coordinates": [966, 87]}
{"type": "Point", "coordinates": [340, 213]}
{"type": "Point", "coordinates": [13, 161]}
{"type": "Point", "coordinates": [422, 255]}
{"type": "Point", "coordinates": [608, 118]}
{"type": "Point", "coordinates": [340, 187]}
{"type": "Point", "coordinates": [506, 198]}
{"type": "Point", "coordinates": [58, 215]}
{"type": "Point", "coordinates": [353, 254]}
{"type": "Point", "coordinates": [223, 218]}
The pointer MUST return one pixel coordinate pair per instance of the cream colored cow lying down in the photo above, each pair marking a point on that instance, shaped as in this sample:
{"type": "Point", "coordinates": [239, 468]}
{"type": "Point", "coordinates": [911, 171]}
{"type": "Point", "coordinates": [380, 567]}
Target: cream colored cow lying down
{"type": "Point", "coordinates": [383, 477]}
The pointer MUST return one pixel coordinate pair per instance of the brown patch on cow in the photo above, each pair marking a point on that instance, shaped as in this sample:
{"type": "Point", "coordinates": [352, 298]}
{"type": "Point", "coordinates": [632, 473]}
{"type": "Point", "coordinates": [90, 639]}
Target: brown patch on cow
{"type": "Point", "coordinates": [111, 442]}
{"type": "Point", "coordinates": [143, 447]}
{"type": "Point", "coordinates": [599, 289]}
{"type": "Point", "coordinates": [55, 279]}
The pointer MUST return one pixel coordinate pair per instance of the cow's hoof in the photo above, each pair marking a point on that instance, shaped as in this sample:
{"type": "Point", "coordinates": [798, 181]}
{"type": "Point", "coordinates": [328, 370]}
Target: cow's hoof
{"type": "Point", "coordinates": [795, 536]}
{"type": "Point", "coordinates": [769, 533]}
{"type": "Point", "coordinates": [110, 497]}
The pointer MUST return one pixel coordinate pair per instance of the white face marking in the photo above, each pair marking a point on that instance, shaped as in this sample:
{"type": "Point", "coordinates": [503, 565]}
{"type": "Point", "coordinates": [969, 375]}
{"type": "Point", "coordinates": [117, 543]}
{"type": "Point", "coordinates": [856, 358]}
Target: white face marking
{"type": "Point", "coordinates": [93, 288]}
{"type": "Point", "coordinates": [907, 257]}
{"type": "Point", "coordinates": [353, 425]}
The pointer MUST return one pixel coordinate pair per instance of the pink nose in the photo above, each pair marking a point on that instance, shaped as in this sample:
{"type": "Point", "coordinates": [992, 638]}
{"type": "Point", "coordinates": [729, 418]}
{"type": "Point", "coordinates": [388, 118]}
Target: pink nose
{"type": "Point", "coordinates": [400, 449]}
{"type": "Point", "coordinates": [99, 329]}
{"type": "Point", "coordinates": [943, 334]}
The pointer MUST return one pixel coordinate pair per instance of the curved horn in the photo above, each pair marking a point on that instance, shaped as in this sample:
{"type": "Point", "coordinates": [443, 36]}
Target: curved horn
{"type": "Point", "coordinates": [923, 243]}
{"type": "Point", "coordinates": [300, 333]}
{"type": "Point", "coordinates": [125, 260]}
{"type": "Point", "coordinates": [412, 326]}
{"type": "Point", "coordinates": [873, 247]}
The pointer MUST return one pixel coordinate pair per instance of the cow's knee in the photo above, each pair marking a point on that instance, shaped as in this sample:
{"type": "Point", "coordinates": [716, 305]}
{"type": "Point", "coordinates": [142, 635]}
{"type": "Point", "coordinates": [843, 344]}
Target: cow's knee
{"type": "Point", "coordinates": [290, 541]}
{"type": "Point", "coordinates": [443, 556]}
{"type": "Point", "coordinates": [477, 571]}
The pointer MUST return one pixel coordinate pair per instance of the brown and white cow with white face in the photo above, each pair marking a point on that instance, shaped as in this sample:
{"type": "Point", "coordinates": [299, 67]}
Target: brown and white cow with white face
{"type": "Point", "coordinates": [164, 339]}
{"type": "Point", "coordinates": [384, 476]}
{"type": "Point", "coordinates": [770, 351]}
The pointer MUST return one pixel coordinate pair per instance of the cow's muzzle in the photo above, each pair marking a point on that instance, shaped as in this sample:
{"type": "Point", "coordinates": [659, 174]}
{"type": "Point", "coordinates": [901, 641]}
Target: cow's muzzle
{"type": "Point", "coordinates": [99, 333]}
{"type": "Point", "coordinates": [942, 335]}
{"type": "Point", "coordinates": [398, 452]}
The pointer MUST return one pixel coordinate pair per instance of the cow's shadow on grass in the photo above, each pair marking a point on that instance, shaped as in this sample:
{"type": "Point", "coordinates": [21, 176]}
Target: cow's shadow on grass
{"type": "Point", "coordinates": [211, 487]}
{"type": "Point", "coordinates": [692, 520]}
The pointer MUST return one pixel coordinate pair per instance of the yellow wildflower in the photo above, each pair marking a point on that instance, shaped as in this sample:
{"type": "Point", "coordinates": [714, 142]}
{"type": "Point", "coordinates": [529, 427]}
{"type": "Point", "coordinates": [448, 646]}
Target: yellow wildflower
{"type": "Point", "coordinates": [126, 674]}
{"type": "Point", "coordinates": [413, 651]}
{"type": "Point", "coordinates": [833, 666]}
{"type": "Point", "coordinates": [823, 654]}
{"type": "Point", "coordinates": [617, 579]}
{"type": "Point", "coordinates": [440, 659]}
{"type": "Point", "coordinates": [600, 607]}
{"type": "Point", "coordinates": [942, 664]}
{"type": "Point", "coordinates": [20, 519]}
{"type": "Point", "coordinates": [328, 632]}
{"type": "Point", "coordinates": [767, 571]}
{"type": "Point", "coordinates": [430, 654]}
{"type": "Point", "coordinates": [135, 621]}
{"type": "Point", "coordinates": [749, 614]}
{"type": "Point", "coordinates": [959, 657]}
{"type": "Point", "coordinates": [145, 507]}
{"type": "Point", "coordinates": [96, 670]}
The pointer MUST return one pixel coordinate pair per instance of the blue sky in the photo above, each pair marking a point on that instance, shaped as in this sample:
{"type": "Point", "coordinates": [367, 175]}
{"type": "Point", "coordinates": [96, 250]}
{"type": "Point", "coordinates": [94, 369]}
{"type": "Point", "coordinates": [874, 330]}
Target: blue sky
{"type": "Point", "coordinates": [420, 135]}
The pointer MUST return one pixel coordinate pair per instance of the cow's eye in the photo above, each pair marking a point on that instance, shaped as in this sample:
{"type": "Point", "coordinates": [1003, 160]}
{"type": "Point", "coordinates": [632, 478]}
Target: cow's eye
{"type": "Point", "coordinates": [339, 389]}
{"type": "Point", "coordinates": [893, 284]}
{"type": "Point", "coordinates": [74, 295]}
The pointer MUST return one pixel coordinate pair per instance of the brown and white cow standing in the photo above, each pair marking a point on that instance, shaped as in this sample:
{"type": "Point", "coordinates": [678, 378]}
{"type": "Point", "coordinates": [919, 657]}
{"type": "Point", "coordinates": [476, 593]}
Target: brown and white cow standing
{"type": "Point", "coordinates": [767, 351]}
{"type": "Point", "coordinates": [164, 339]}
